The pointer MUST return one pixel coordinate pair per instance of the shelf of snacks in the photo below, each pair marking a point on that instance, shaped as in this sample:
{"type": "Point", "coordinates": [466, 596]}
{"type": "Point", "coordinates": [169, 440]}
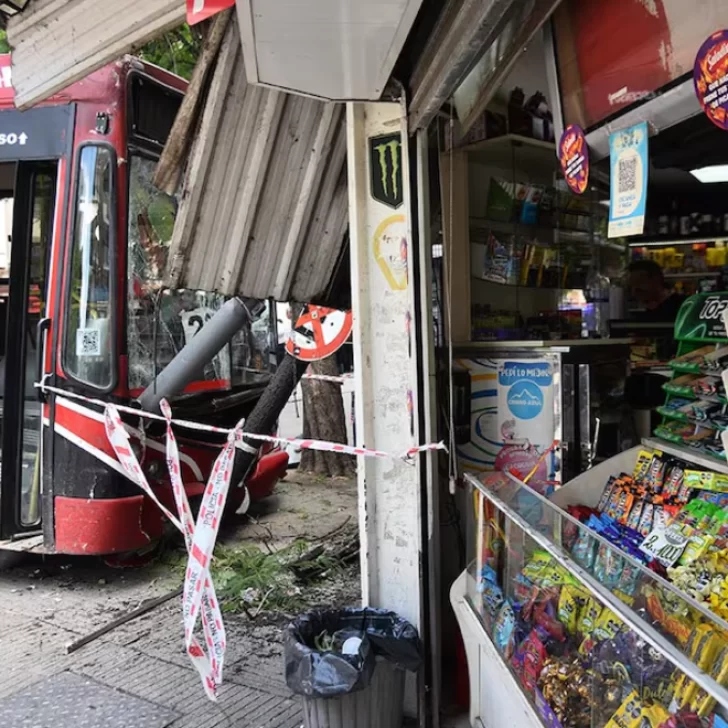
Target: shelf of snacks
{"type": "Point", "coordinates": [606, 605]}
{"type": "Point", "coordinates": [695, 411]}
{"type": "Point", "coordinates": [691, 265]}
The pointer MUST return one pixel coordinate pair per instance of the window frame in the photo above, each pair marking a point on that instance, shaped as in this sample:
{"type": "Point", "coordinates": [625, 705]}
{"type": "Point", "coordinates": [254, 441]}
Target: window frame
{"type": "Point", "coordinates": [113, 270]}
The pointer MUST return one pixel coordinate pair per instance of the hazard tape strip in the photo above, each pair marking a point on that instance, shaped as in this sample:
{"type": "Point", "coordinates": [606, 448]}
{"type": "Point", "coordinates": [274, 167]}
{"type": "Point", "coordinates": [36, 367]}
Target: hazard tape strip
{"type": "Point", "coordinates": [340, 379]}
{"type": "Point", "coordinates": [198, 592]}
{"type": "Point", "coordinates": [301, 444]}
{"type": "Point", "coordinates": [199, 601]}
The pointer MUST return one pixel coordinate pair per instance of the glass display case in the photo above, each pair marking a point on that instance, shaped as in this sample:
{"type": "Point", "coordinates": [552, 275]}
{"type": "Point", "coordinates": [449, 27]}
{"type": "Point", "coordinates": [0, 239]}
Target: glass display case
{"type": "Point", "coordinates": [565, 629]}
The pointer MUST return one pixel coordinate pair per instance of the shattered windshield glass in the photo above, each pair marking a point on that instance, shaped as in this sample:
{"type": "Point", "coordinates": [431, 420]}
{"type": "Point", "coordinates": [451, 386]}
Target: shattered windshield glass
{"type": "Point", "coordinates": [160, 321]}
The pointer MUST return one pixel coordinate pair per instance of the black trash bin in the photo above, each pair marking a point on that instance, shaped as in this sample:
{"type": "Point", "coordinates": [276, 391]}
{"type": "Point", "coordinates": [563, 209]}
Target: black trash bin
{"type": "Point", "coordinates": [349, 664]}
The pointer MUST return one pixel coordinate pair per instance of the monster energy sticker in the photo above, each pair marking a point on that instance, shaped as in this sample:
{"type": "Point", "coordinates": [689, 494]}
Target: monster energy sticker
{"type": "Point", "coordinates": [385, 159]}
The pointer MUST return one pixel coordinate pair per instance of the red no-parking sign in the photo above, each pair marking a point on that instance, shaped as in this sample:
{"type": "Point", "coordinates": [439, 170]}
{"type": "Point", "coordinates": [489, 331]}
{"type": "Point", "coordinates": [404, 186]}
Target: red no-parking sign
{"type": "Point", "coordinates": [199, 10]}
{"type": "Point", "coordinates": [319, 332]}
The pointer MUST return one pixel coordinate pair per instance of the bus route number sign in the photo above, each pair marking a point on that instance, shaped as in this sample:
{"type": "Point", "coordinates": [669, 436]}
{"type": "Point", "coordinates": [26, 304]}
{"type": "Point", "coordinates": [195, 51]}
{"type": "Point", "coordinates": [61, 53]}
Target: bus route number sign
{"type": "Point", "coordinates": [13, 138]}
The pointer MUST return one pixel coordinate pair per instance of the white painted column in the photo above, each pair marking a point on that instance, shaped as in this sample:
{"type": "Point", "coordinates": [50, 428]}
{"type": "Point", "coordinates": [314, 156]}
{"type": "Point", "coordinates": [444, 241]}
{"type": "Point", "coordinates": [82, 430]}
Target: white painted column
{"type": "Point", "coordinates": [383, 300]}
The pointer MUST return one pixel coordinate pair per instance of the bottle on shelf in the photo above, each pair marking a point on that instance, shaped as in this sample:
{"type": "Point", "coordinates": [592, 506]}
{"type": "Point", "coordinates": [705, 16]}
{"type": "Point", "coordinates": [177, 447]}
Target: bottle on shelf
{"type": "Point", "coordinates": [597, 293]}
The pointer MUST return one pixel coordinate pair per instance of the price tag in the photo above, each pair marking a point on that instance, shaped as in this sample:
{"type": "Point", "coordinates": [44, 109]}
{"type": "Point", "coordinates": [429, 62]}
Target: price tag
{"type": "Point", "coordinates": [665, 545]}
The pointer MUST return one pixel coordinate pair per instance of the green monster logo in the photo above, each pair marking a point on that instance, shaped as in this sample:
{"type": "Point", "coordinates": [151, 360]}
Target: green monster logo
{"type": "Point", "coordinates": [386, 169]}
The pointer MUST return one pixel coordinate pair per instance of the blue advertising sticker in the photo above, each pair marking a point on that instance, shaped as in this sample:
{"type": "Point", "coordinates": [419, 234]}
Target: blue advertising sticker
{"type": "Point", "coordinates": [629, 165]}
{"type": "Point", "coordinates": [525, 398]}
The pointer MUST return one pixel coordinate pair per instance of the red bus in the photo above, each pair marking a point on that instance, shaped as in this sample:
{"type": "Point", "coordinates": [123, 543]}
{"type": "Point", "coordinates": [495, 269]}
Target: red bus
{"type": "Point", "coordinates": [83, 310]}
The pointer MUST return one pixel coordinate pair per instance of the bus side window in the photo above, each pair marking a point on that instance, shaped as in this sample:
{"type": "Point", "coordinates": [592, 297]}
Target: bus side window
{"type": "Point", "coordinates": [88, 342]}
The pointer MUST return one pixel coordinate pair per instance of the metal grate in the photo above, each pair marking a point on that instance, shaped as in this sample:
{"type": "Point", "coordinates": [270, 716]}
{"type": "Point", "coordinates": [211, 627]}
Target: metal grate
{"type": "Point", "coordinates": [67, 700]}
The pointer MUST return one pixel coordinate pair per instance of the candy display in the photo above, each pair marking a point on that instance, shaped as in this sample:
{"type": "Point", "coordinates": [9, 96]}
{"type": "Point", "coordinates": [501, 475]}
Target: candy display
{"type": "Point", "coordinates": [579, 663]}
{"type": "Point", "coordinates": [582, 666]}
{"type": "Point", "coordinates": [695, 411]}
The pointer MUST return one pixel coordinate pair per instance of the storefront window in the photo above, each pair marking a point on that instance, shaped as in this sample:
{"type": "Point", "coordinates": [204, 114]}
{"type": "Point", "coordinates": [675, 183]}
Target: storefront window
{"type": "Point", "coordinates": [88, 349]}
{"type": "Point", "coordinates": [160, 322]}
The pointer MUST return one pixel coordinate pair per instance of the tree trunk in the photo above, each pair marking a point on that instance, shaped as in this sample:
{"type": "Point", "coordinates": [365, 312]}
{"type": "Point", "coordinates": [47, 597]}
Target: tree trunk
{"type": "Point", "coordinates": [324, 419]}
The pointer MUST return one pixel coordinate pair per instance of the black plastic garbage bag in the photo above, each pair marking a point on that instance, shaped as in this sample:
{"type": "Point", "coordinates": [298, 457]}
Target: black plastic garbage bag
{"type": "Point", "coordinates": [318, 673]}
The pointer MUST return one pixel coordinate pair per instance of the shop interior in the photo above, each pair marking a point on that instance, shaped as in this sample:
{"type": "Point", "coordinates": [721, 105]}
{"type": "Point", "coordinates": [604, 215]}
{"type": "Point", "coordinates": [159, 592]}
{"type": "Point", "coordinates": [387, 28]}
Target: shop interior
{"type": "Point", "coordinates": [593, 586]}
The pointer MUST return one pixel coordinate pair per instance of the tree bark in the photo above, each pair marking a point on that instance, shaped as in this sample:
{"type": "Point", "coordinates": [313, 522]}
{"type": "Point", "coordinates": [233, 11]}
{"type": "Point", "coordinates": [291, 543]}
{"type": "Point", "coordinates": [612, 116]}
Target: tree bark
{"type": "Point", "coordinates": [170, 165]}
{"type": "Point", "coordinates": [324, 419]}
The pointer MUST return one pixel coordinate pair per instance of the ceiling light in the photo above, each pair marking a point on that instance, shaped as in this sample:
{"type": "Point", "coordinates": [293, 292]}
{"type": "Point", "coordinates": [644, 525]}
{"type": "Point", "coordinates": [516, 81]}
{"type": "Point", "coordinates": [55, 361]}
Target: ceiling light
{"type": "Point", "coordinates": [715, 173]}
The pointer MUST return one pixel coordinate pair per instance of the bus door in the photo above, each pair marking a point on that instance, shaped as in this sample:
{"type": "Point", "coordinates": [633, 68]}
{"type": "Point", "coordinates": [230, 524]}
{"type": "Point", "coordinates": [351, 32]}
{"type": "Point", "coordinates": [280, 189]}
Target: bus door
{"type": "Point", "coordinates": [23, 337]}
{"type": "Point", "coordinates": [31, 143]}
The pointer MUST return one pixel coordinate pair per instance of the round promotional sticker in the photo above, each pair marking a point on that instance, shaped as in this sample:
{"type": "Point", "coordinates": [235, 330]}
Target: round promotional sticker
{"type": "Point", "coordinates": [319, 332]}
{"type": "Point", "coordinates": [574, 158]}
{"type": "Point", "coordinates": [711, 78]}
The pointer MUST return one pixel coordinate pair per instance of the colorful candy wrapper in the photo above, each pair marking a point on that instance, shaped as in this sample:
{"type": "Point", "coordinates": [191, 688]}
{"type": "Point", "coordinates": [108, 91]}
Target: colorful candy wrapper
{"type": "Point", "coordinates": [629, 713]}
{"type": "Point", "coordinates": [503, 629]}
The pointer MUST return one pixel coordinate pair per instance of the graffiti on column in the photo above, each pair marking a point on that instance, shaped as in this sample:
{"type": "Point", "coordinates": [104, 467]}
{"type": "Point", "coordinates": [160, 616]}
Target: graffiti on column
{"type": "Point", "coordinates": [390, 250]}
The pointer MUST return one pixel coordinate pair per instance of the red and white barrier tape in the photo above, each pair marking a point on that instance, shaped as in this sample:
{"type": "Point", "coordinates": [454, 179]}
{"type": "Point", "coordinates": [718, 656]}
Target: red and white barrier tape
{"type": "Point", "coordinates": [340, 379]}
{"type": "Point", "coordinates": [199, 600]}
{"type": "Point", "coordinates": [199, 593]}
{"type": "Point", "coordinates": [241, 437]}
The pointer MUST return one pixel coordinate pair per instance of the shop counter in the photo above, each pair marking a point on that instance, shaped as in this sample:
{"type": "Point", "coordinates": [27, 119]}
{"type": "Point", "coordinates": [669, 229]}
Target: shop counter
{"type": "Point", "coordinates": [568, 628]}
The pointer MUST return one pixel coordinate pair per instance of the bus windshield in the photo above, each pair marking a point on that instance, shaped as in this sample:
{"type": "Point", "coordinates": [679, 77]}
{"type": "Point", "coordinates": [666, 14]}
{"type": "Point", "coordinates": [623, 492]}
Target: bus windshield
{"type": "Point", "coordinates": [161, 321]}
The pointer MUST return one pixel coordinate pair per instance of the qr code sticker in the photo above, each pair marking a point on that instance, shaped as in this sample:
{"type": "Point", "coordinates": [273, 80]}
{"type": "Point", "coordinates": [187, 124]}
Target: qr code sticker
{"type": "Point", "coordinates": [627, 172]}
{"type": "Point", "coordinates": [88, 342]}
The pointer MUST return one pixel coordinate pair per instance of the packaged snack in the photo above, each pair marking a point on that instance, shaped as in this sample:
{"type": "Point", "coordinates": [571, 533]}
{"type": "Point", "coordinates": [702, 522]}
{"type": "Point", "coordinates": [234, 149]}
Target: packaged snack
{"type": "Point", "coordinates": [584, 550]}
{"type": "Point", "coordinates": [646, 519]}
{"type": "Point", "coordinates": [696, 356]}
{"type": "Point", "coordinates": [628, 578]}
{"type": "Point", "coordinates": [588, 617]}
{"type": "Point", "coordinates": [673, 481]}
{"type": "Point", "coordinates": [498, 260]}
{"type": "Point", "coordinates": [503, 629]}
{"type": "Point", "coordinates": [702, 480]}
{"type": "Point", "coordinates": [545, 617]}
{"type": "Point", "coordinates": [642, 466]}
{"type": "Point", "coordinates": [697, 547]}
{"type": "Point", "coordinates": [703, 703]}
{"type": "Point", "coordinates": [633, 520]}
{"type": "Point", "coordinates": [523, 591]}
{"type": "Point", "coordinates": [607, 626]}
{"type": "Point", "coordinates": [653, 716]}
{"type": "Point", "coordinates": [555, 575]}
{"type": "Point", "coordinates": [612, 506]}
{"type": "Point", "coordinates": [534, 654]}
{"type": "Point", "coordinates": [569, 609]}
{"type": "Point", "coordinates": [708, 385]}
{"type": "Point", "coordinates": [716, 359]}
{"type": "Point", "coordinates": [539, 560]}
{"type": "Point", "coordinates": [608, 566]}
{"type": "Point", "coordinates": [704, 409]}
{"type": "Point", "coordinates": [490, 590]}
{"type": "Point", "coordinates": [659, 519]}
{"type": "Point", "coordinates": [624, 506]}
{"type": "Point", "coordinates": [702, 647]}
{"type": "Point", "coordinates": [655, 474]}
{"type": "Point", "coordinates": [606, 494]}
{"type": "Point", "coordinates": [629, 713]}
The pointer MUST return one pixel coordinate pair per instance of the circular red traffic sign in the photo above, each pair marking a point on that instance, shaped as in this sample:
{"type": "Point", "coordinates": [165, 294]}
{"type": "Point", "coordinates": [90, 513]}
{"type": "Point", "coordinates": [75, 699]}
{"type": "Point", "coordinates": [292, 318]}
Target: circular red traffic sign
{"type": "Point", "coordinates": [319, 332]}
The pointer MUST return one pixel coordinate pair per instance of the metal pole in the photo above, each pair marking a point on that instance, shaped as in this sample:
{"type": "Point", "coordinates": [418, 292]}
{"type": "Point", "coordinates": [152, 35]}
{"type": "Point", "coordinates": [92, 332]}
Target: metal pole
{"type": "Point", "coordinates": [203, 348]}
